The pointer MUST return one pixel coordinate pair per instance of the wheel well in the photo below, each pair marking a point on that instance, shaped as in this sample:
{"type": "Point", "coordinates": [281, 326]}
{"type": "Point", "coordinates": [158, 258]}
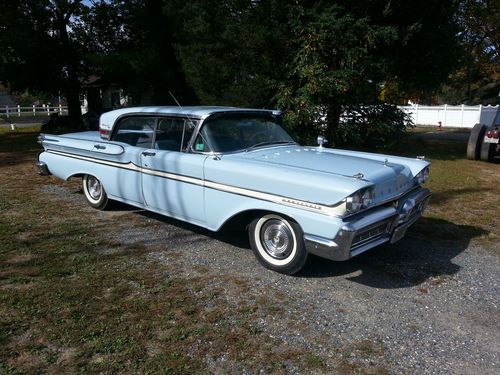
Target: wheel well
{"type": "Point", "coordinates": [76, 175]}
{"type": "Point", "coordinates": [242, 220]}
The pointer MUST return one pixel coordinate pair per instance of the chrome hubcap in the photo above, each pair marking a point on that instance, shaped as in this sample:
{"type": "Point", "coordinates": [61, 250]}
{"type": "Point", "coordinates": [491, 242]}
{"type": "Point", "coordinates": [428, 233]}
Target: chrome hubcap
{"type": "Point", "coordinates": [94, 188]}
{"type": "Point", "coordinates": [277, 239]}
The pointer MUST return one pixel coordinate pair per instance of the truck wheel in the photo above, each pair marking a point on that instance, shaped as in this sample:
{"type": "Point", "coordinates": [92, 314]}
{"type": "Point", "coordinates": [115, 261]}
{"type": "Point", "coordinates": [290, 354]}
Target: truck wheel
{"type": "Point", "coordinates": [475, 141]}
{"type": "Point", "coordinates": [487, 151]}
{"type": "Point", "coordinates": [94, 192]}
{"type": "Point", "coordinates": [278, 243]}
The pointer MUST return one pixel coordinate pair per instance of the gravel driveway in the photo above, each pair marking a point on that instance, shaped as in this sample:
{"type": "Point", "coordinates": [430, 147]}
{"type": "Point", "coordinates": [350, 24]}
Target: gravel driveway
{"type": "Point", "coordinates": [420, 306]}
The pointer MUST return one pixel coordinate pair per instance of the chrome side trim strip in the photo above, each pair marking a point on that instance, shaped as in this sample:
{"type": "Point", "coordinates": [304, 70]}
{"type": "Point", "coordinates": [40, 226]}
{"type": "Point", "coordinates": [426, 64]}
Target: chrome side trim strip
{"type": "Point", "coordinates": [286, 201]}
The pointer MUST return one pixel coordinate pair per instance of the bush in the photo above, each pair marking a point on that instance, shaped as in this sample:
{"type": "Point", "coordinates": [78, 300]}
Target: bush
{"type": "Point", "coordinates": [373, 126]}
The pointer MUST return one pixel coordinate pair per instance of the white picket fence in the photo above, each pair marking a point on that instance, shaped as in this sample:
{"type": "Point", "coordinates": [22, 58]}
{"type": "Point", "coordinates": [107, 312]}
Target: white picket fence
{"type": "Point", "coordinates": [18, 111]}
{"type": "Point", "coordinates": [457, 116]}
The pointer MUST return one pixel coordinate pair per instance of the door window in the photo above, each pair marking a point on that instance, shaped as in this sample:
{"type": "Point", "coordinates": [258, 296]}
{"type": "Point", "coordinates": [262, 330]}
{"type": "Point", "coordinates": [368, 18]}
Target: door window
{"type": "Point", "coordinates": [173, 134]}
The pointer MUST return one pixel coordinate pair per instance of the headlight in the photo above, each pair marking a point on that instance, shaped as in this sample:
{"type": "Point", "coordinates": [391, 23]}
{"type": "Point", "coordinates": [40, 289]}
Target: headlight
{"type": "Point", "coordinates": [358, 200]}
{"type": "Point", "coordinates": [423, 176]}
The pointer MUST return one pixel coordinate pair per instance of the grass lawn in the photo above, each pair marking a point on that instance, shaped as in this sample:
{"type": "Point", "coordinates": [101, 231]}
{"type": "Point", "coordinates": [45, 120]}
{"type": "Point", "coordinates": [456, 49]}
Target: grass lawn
{"type": "Point", "coordinates": [73, 300]}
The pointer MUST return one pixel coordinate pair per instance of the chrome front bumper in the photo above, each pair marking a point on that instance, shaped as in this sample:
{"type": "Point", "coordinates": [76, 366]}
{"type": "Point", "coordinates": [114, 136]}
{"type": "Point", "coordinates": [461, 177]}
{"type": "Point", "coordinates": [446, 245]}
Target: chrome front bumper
{"type": "Point", "coordinates": [367, 230]}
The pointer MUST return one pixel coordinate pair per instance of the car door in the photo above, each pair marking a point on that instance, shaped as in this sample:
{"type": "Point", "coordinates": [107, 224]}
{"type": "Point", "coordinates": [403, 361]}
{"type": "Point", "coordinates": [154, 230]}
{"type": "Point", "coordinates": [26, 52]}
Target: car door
{"type": "Point", "coordinates": [172, 179]}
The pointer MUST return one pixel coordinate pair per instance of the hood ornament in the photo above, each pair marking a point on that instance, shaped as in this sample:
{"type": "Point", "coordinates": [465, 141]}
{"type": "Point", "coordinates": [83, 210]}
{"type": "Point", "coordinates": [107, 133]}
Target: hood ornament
{"type": "Point", "coordinates": [359, 176]}
{"type": "Point", "coordinates": [386, 163]}
{"type": "Point", "coordinates": [321, 140]}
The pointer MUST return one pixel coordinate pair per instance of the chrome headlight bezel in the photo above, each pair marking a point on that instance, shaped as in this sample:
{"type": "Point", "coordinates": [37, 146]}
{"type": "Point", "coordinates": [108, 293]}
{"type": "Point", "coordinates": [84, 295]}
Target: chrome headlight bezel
{"type": "Point", "coordinates": [422, 176]}
{"type": "Point", "coordinates": [358, 201]}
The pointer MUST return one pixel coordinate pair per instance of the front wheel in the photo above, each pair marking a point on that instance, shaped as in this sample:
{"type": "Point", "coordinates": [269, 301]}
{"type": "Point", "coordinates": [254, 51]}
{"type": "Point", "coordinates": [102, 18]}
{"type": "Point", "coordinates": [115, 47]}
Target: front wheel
{"type": "Point", "coordinates": [278, 243]}
{"type": "Point", "coordinates": [94, 192]}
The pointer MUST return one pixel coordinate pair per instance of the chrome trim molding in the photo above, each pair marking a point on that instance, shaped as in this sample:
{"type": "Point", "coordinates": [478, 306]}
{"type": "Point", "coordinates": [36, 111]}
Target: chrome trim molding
{"type": "Point", "coordinates": [310, 206]}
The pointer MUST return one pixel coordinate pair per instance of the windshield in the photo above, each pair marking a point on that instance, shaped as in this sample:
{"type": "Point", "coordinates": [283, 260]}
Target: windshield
{"type": "Point", "coordinates": [238, 132]}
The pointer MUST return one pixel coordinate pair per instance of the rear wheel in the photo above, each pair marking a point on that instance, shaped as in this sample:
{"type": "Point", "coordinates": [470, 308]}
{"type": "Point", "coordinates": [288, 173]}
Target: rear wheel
{"type": "Point", "coordinates": [278, 243]}
{"type": "Point", "coordinates": [475, 141]}
{"type": "Point", "coordinates": [487, 151]}
{"type": "Point", "coordinates": [94, 192]}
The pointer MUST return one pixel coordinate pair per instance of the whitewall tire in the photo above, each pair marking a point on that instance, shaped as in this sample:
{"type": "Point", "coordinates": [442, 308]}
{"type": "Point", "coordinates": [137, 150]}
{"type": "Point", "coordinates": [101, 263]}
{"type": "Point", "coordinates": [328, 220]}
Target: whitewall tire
{"type": "Point", "coordinates": [94, 192]}
{"type": "Point", "coordinates": [278, 243]}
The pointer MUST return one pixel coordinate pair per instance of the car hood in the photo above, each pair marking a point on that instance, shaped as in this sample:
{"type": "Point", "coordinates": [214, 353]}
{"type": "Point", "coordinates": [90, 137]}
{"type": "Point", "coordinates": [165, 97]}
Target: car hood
{"type": "Point", "coordinates": [337, 163]}
{"type": "Point", "coordinates": [324, 175]}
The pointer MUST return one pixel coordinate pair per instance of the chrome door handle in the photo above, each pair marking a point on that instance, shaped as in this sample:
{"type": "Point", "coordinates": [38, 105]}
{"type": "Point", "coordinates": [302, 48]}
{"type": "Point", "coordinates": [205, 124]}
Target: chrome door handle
{"type": "Point", "coordinates": [148, 153]}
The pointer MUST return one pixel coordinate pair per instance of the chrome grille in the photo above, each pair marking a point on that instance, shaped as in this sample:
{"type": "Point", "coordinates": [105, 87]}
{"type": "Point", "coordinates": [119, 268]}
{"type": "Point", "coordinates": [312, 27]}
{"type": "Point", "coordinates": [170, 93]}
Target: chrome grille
{"type": "Point", "coordinates": [370, 233]}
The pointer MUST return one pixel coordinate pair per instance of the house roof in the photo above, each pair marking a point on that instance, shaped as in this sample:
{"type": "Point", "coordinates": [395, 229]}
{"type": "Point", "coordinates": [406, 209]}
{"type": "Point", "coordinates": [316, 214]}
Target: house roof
{"type": "Point", "coordinates": [5, 98]}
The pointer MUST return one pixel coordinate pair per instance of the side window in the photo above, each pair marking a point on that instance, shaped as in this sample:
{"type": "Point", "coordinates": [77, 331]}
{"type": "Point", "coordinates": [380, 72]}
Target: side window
{"type": "Point", "coordinates": [172, 133]}
{"type": "Point", "coordinates": [136, 131]}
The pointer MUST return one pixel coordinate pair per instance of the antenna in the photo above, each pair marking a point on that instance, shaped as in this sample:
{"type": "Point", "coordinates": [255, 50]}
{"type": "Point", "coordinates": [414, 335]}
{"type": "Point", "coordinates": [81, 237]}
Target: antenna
{"type": "Point", "coordinates": [192, 122]}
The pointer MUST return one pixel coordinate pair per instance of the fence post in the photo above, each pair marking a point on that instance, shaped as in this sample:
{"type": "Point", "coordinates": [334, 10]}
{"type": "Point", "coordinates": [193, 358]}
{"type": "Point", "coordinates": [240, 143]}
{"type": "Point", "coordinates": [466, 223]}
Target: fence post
{"type": "Point", "coordinates": [416, 114]}
{"type": "Point", "coordinates": [18, 110]}
{"type": "Point", "coordinates": [462, 117]}
{"type": "Point", "coordinates": [48, 110]}
{"type": "Point", "coordinates": [444, 120]}
{"type": "Point", "coordinates": [60, 108]}
{"type": "Point", "coordinates": [7, 111]}
{"type": "Point", "coordinates": [480, 110]}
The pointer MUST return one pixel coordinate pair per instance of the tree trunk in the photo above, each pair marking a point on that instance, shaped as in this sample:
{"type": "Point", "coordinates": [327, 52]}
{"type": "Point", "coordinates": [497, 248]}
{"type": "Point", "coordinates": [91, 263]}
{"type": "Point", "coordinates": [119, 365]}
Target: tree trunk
{"type": "Point", "coordinates": [332, 124]}
{"type": "Point", "coordinates": [72, 92]}
{"type": "Point", "coordinates": [72, 85]}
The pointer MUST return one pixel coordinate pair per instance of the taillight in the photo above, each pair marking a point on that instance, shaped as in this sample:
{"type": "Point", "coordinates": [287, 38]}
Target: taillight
{"type": "Point", "coordinates": [489, 133]}
{"type": "Point", "coordinates": [104, 133]}
{"type": "Point", "coordinates": [496, 133]}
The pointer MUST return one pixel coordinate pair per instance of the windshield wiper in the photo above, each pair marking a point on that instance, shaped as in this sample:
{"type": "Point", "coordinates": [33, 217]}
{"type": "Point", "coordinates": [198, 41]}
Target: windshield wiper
{"type": "Point", "coordinates": [267, 143]}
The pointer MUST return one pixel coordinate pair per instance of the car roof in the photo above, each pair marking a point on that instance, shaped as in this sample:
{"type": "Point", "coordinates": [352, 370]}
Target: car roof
{"type": "Point", "coordinates": [195, 111]}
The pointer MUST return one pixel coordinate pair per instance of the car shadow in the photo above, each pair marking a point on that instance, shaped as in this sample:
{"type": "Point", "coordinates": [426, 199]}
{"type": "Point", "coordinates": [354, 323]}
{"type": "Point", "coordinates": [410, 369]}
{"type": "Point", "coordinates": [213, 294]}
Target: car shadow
{"type": "Point", "coordinates": [237, 238]}
{"type": "Point", "coordinates": [427, 252]}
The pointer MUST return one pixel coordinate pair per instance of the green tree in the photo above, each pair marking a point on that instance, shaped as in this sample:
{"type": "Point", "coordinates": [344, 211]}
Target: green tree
{"type": "Point", "coordinates": [38, 49]}
{"type": "Point", "coordinates": [131, 44]}
{"type": "Point", "coordinates": [477, 78]}
{"type": "Point", "coordinates": [233, 52]}
{"type": "Point", "coordinates": [345, 52]}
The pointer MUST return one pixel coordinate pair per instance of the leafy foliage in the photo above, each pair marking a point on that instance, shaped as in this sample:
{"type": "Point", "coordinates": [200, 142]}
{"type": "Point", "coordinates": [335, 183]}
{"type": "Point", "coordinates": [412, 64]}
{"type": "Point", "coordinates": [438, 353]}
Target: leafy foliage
{"type": "Point", "coordinates": [232, 52]}
{"type": "Point", "coordinates": [313, 59]}
{"type": "Point", "coordinates": [39, 51]}
{"type": "Point", "coordinates": [477, 78]}
{"type": "Point", "coordinates": [373, 127]}
{"type": "Point", "coordinates": [344, 55]}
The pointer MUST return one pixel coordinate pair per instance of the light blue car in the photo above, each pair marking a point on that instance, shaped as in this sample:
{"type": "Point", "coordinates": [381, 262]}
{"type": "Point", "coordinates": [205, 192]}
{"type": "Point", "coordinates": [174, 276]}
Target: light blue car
{"type": "Point", "coordinates": [216, 166]}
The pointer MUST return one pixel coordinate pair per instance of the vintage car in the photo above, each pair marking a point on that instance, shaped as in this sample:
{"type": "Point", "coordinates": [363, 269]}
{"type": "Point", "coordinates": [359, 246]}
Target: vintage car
{"type": "Point", "coordinates": [221, 166]}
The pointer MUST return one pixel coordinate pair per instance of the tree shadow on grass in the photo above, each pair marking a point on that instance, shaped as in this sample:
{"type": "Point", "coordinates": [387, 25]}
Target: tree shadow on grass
{"type": "Point", "coordinates": [444, 196]}
{"type": "Point", "coordinates": [426, 252]}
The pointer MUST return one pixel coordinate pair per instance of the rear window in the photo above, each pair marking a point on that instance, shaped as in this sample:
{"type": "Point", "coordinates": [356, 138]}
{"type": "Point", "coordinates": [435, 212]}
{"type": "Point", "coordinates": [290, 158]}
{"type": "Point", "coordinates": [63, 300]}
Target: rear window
{"type": "Point", "coordinates": [135, 131]}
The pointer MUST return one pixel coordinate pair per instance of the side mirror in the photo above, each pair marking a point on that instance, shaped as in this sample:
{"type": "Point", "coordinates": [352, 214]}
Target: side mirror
{"type": "Point", "coordinates": [321, 140]}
